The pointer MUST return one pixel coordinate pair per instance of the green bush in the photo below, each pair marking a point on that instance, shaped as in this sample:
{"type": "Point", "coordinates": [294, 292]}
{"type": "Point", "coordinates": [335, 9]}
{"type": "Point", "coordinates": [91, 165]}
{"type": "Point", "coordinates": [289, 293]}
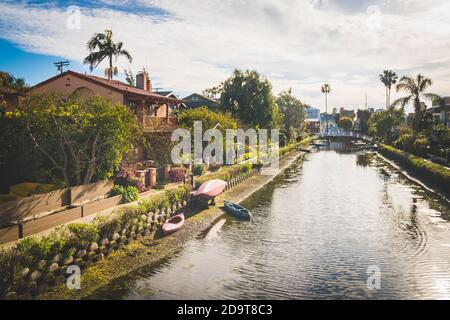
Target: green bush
{"type": "Point", "coordinates": [198, 169]}
{"type": "Point", "coordinates": [435, 173]}
{"type": "Point", "coordinates": [129, 193]}
{"type": "Point", "coordinates": [84, 233]}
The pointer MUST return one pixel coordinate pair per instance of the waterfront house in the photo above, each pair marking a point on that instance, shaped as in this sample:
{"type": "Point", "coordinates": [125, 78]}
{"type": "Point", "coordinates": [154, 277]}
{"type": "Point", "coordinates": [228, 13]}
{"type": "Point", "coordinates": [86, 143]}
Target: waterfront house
{"type": "Point", "coordinates": [196, 100]}
{"type": "Point", "coordinates": [440, 112]}
{"type": "Point", "coordinates": [155, 112]}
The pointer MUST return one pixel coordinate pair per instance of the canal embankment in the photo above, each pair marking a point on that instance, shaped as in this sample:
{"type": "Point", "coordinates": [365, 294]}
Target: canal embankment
{"type": "Point", "coordinates": [153, 249]}
{"type": "Point", "coordinates": [432, 176]}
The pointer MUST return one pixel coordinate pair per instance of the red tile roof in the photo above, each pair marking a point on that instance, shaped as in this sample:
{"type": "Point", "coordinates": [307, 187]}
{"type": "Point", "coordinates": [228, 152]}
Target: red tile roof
{"type": "Point", "coordinates": [115, 85]}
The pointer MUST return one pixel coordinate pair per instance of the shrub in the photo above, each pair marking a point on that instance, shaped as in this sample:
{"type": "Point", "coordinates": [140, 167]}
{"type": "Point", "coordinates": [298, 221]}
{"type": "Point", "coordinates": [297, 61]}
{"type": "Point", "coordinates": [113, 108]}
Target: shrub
{"type": "Point", "coordinates": [126, 177]}
{"type": "Point", "coordinates": [84, 233]}
{"type": "Point", "coordinates": [435, 173]}
{"type": "Point", "coordinates": [214, 167]}
{"type": "Point", "coordinates": [177, 174]}
{"type": "Point", "coordinates": [107, 228]}
{"type": "Point", "coordinates": [129, 194]}
{"type": "Point", "coordinates": [198, 169]}
{"type": "Point", "coordinates": [11, 265]}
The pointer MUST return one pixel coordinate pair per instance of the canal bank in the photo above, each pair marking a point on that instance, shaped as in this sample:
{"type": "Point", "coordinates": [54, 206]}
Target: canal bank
{"type": "Point", "coordinates": [153, 249]}
{"type": "Point", "coordinates": [318, 231]}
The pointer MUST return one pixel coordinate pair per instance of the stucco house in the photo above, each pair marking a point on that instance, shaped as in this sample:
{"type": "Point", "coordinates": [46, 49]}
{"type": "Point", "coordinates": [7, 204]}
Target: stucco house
{"type": "Point", "coordinates": [155, 112]}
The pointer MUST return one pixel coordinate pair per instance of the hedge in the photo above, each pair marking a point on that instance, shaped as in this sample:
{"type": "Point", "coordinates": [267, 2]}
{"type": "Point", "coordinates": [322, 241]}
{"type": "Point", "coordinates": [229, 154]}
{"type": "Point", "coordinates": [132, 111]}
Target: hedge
{"type": "Point", "coordinates": [37, 263]}
{"type": "Point", "coordinates": [434, 173]}
{"type": "Point", "coordinates": [226, 173]}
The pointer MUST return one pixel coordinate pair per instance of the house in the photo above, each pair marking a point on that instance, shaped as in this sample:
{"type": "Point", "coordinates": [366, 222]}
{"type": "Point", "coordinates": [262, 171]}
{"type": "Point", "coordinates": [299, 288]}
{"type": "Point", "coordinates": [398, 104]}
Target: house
{"type": "Point", "coordinates": [312, 113]}
{"type": "Point", "coordinates": [196, 100]}
{"type": "Point", "coordinates": [155, 112]}
{"type": "Point", "coordinates": [171, 94]}
{"type": "Point", "coordinates": [347, 113]}
{"type": "Point", "coordinates": [440, 112]}
{"type": "Point", "coordinates": [327, 121]}
{"type": "Point", "coordinates": [313, 119]}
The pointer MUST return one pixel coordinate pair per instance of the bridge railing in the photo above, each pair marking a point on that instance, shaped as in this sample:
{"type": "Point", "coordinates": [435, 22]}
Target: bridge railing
{"type": "Point", "coordinates": [343, 133]}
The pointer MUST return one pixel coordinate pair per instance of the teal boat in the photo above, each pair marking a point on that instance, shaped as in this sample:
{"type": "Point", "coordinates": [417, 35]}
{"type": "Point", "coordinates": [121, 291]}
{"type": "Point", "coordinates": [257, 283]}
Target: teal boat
{"type": "Point", "coordinates": [236, 210]}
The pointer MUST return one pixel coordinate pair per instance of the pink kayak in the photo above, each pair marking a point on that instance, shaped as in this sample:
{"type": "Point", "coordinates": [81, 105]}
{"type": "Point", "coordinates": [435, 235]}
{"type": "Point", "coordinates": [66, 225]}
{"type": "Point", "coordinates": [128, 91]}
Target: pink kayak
{"type": "Point", "coordinates": [173, 224]}
{"type": "Point", "coordinates": [211, 189]}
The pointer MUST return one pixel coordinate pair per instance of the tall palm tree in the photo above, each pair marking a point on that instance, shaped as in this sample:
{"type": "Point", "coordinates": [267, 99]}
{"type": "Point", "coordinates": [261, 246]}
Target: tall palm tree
{"type": "Point", "coordinates": [416, 89]}
{"type": "Point", "coordinates": [326, 89]}
{"type": "Point", "coordinates": [106, 48]}
{"type": "Point", "coordinates": [388, 78]}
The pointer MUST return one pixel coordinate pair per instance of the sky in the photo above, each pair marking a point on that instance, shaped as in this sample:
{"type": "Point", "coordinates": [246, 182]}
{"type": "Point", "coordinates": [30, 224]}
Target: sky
{"type": "Point", "coordinates": [190, 45]}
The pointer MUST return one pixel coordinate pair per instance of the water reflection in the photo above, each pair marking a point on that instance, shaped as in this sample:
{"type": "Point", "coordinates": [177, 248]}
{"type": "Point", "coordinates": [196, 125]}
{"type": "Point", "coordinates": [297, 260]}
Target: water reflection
{"type": "Point", "coordinates": [316, 230]}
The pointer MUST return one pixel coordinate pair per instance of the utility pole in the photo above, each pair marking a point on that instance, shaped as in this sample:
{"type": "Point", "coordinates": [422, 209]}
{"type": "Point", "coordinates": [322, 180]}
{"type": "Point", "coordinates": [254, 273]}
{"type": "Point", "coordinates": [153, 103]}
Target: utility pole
{"type": "Point", "coordinates": [60, 65]}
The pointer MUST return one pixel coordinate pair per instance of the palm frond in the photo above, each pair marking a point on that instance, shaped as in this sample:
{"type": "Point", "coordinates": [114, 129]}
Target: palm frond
{"type": "Point", "coordinates": [402, 102]}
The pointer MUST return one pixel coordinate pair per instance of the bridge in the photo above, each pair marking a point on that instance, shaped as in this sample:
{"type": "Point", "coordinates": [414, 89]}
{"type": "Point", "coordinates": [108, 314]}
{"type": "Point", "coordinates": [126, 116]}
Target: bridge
{"type": "Point", "coordinates": [341, 133]}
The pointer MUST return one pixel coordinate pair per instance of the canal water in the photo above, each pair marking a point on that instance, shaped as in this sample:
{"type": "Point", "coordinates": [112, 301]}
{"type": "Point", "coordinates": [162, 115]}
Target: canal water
{"type": "Point", "coordinates": [324, 229]}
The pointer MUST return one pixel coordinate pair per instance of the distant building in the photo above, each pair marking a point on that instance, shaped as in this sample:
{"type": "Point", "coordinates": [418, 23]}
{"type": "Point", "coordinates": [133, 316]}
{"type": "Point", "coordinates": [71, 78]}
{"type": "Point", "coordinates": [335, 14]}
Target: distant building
{"type": "Point", "coordinates": [312, 114]}
{"type": "Point", "coordinates": [327, 121]}
{"type": "Point", "coordinates": [197, 100]}
{"type": "Point", "coordinates": [171, 94]}
{"type": "Point", "coordinates": [343, 113]}
{"type": "Point", "coordinates": [441, 112]}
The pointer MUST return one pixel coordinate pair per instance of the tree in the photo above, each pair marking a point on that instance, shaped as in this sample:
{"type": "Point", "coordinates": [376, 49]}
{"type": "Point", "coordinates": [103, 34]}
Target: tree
{"type": "Point", "coordinates": [209, 119]}
{"type": "Point", "coordinates": [106, 48]}
{"type": "Point", "coordinates": [10, 85]}
{"type": "Point", "coordinates": [416, 89]}
{"type": "Point", "coordinates": [293, 113]}
{"type": "Point", "coordinates": [363, 117]}
{"type": "Point", "coordinates": [129, 77]}
{"type": "Point", "coordinates": [382, 124]}
{"type": "Point", "coordinates": [81, 139]}
{"type": "Point", "coordinates": [388, 78]}
{"type": "Point", "coordinates": [345, 123]}
{"type": "Point", "coordinates": [249, 98]}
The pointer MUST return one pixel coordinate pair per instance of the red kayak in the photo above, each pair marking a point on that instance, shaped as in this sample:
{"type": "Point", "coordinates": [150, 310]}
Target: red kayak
{"type": "Point", "coordinates": [211, 189]}
{"type": "Point", "coordinates": [173, 224]}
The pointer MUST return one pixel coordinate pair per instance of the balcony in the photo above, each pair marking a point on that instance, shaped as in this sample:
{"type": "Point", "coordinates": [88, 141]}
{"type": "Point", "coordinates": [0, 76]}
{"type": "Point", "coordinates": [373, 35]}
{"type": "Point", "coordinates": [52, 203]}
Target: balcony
{"type": "Point", "coordinates": [159, 124]}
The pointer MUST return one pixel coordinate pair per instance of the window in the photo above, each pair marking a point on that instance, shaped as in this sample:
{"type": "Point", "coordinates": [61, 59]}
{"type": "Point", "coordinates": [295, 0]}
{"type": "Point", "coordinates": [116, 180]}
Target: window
{"type": "Point", "coordinates": [133, 106]}
{"type": "Point", "coordinates": [152, 110]}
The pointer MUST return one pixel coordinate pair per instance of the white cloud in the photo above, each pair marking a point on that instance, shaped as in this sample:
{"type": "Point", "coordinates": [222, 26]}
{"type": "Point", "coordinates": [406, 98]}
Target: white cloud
{"type": "Point", "coordinates": [299, 44]}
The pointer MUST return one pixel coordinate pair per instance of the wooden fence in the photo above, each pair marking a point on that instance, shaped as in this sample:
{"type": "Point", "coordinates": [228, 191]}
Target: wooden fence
{"type": "Point", "coordinates": [30, 215]}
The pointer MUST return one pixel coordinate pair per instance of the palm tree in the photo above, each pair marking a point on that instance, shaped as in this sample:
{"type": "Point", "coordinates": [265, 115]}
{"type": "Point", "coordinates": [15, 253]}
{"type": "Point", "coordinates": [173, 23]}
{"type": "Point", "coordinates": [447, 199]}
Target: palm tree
{"type": "Point", "coordinates": [326, 89]}
{"type": "Point", "coordinates": [106, 48]}
{"type": "Point", "coordinates": [416, 89]}
{"type": "Point", "coordinates": [388, 78]}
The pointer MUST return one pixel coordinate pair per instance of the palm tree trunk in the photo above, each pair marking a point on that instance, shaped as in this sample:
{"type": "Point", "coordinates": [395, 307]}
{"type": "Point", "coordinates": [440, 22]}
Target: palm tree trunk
{"type": "Point", "coordinates": [387, 104]}
{"type": "Point", "coordinates": [417, 116]}
{"type": "Point", "coordinates": [389, 98]}
{"type": "Point", "coordinates": [110, 68]}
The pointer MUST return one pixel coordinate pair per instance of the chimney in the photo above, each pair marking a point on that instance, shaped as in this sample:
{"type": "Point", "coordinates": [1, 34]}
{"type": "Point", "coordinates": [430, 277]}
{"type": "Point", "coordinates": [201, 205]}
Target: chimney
{"type": "Point", "coordinates": [142, 80]}
{"type": "Point", "coordinates": [149, 85]}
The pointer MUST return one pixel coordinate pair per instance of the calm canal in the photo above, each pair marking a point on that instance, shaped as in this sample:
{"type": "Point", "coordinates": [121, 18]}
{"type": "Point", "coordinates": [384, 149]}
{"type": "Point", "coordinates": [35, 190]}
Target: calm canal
{"type": "Point", "coordinates": [316, 230]}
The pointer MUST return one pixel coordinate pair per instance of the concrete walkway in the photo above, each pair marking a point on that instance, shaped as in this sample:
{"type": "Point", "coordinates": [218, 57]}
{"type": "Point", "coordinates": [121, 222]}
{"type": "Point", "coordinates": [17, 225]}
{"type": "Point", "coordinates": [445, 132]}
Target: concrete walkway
{"type": "Point", "coordinates": [153, 249]}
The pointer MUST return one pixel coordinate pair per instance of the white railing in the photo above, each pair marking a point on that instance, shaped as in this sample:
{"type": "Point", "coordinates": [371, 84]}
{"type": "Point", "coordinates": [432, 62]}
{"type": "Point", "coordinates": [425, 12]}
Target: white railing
{"type": "Point", "coordinates": [338, 132]}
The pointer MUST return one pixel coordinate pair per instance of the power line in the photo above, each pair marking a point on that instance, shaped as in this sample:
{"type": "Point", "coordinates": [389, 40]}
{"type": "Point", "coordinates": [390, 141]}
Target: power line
{"type": "Point", "coordinates": [60, 65]}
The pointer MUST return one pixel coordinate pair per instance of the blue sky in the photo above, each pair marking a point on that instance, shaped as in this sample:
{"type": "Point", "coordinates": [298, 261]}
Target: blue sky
{"type": "Point", "coordinates": [190, 45]}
